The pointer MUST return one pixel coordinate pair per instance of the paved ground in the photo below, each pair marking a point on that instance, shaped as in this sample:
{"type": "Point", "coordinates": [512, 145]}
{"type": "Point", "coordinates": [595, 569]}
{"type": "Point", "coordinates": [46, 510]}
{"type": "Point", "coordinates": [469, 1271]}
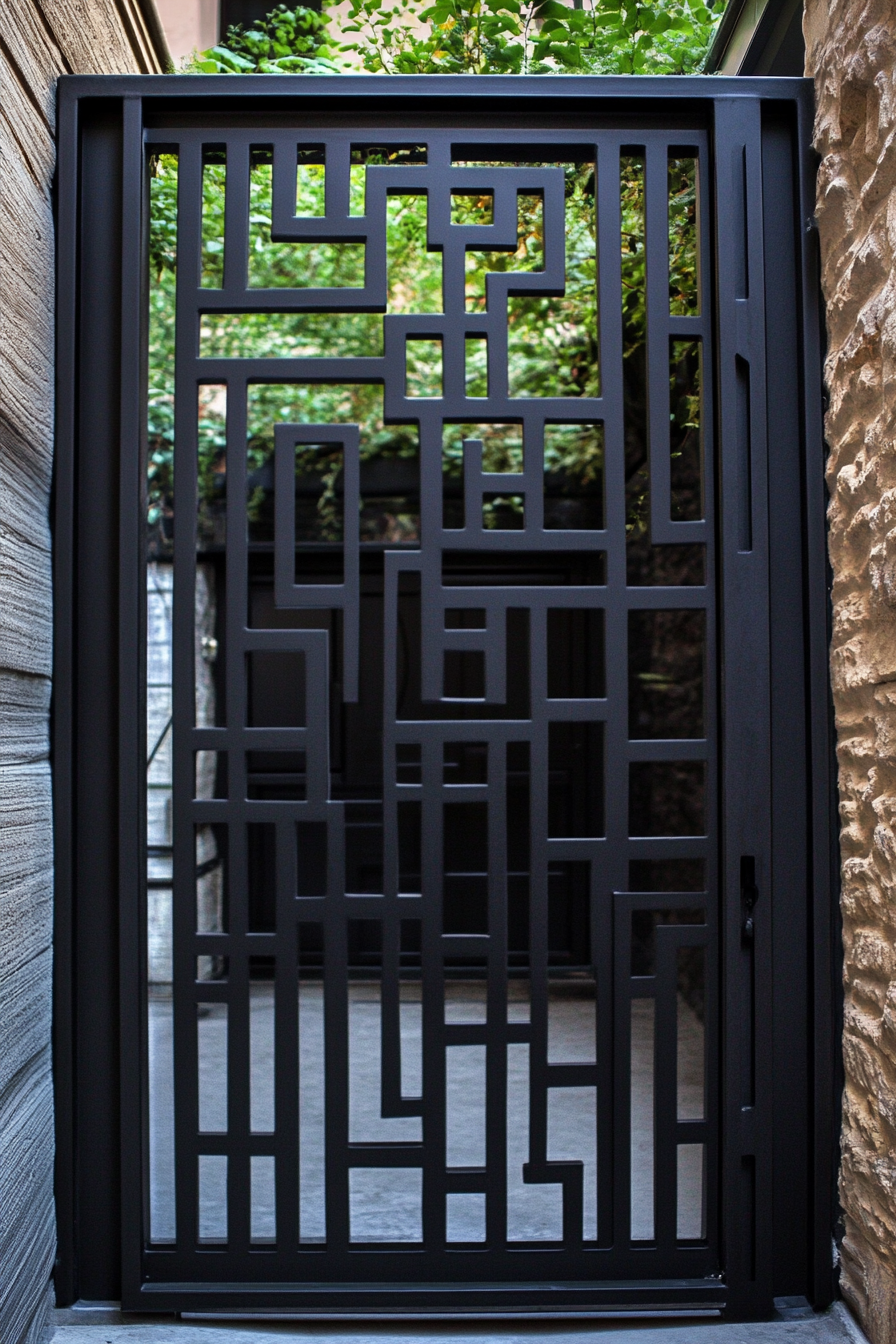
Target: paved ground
{"type": "Point", "coordinates": [386, 1205]}
{"type": "Point", "coordinates": [378, 1212]}
{"type": "Point", "coordinates": [834, 1327]}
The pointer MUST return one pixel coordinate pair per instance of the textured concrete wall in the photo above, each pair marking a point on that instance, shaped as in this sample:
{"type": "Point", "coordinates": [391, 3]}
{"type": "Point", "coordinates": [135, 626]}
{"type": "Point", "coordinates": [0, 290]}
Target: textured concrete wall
{"type": "Point", "coordinates": [851, 51]}
{"type": "Point", "coordinates": [39, 39]}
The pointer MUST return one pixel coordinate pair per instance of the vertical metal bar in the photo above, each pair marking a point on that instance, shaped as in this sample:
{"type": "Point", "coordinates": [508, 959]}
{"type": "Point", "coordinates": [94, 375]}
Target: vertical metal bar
{"type": "Point", "coordinates": [132, 702]}
{"type": "Point", "coordinates": [96, 798]}
{"type": "Point", "coordinates": [745, 656]}
{"type": "Point", "coordinates": [656, 230]}
{"type": "Point", "coordinates": [390, 1045]}
{"type": "Point", "coordinates": [64, 672]}
{"type": "Point", "coordinates": [393, 1102]}
{"type": "Point", "coordinates": [238, 853]}
{"type": "Point", "coordinates": [433, 977]}
{"type": "Point", "coordinates": [186, 1062]}
{"type": "Point", "coordinates": [496, 1058]}
{"type": "Point", "coordinates": [539, 888]}
{"type": "Point", "coordinates": [286, 1046]}
{"type": "Point", "coordinates": [622, 1080]}
{"type": "Point", "coordinates": [665, 1102]}
{"type": "Point", "coordinates": [236, 219]}
{"type": "Point", "coordinates": [611, 874]}
{"type": "Point", "coordinates": [336, 1042]}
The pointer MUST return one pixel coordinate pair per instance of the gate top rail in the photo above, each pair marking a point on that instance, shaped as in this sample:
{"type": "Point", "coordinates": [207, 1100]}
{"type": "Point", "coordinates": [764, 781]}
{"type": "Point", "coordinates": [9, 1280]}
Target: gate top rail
{"type": "Point", "coordinates": [600, 89]}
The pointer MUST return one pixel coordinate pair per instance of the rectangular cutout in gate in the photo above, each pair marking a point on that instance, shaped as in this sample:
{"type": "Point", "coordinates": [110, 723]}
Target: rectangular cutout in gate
{"type": "Point", "coordinates": [294, 335]}
{"type": "Point", "coordinates": [410, 1010]}
{"type": "Point", "coordinates": [685, 425]}
{"type": "Point", "coordinates": [574, 477]}
{"type": "Point", "coordinates": [275, 689]}
{"type": "Point", "coordinates": [465, 868]}
{"type": "Point", "coordinates": [667, 798]}
{"type": "Point", "coordinates": [320, 511]}
{"type": "Point", "coordinates": [211, 527]}
{"type": "Point", "coordinates": [262, 841]}
{"type": "Point", "coordinates": [464, 674]}
{"type": "Point", "coordinates": [667, 875]}
{"type": "Point", "coordinates": [476, 366]}
{"type": "Point", "coordinates": [465, 1217]}
{"type": "Point", "coordinates": [311, 858]}
{"type": "Point", "coordinates": [410, 848]}
{"type": "Point", "coordinates": [160, 1073]}
{"type": "Point", "coordinates": [363, 840]}
{"type": "Point", "coordinates": [408, 763]}
{"type": "Point", "coordinates": [214, 179]}
{"type": "Point", "coordinates": [691, 1182]}
{"type": "Point", "coordinates": [502, 450]}
{"type": "Point", "coordinates": [465, 1106]}
{"type": "Point", "coordinates": [424, 374]}
{"type": "Point", "coordinates": [212, 1211]}
{"type": "Point", "coordinates": [262, 1200]}
{"type": "Point", "coordinates": [575, 779]}
{"type": "Point", "coordinates": [276, 775]}
{"type": "Point", "coordinates": [211, 774]}
{"type": "Point", "coordinates": [211, 851]}
{"type": "Point", "coordinates": [465, 763]}
{"type": "Point", "coordinates": [503, 512]}
{"type": "Point", "coordinates": [466, 1001]}
{"type": "Point", "coordinates": [576, 653]}
{"type": "Point", "coordinates": [385, 1204]}
{"type": "Point", "coordinates": [212, 1057]}
{"type": "Point", "coordinates": [413, 270]}
{"type": "Point", "coordinates": [691, 1014]}
{"type": "Point", "coordinates": [262, 1054]}
{"type": "Point", "coordinates": [642, 1118]}
{"type": "Point", "coordinates": [666, 673]}
{"type": "Point", "coordinates": [311, 177]}
{"type": "Point", "coordinates": [474, 209]}
{"type": "Point", "coordinates": [312, 1085]}
{"type": "Point", "coordinates": [684, 234]}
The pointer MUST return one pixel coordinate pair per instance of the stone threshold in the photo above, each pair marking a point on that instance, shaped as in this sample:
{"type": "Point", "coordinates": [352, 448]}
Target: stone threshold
{"type": "Point", "coordinates": [96, 1323]}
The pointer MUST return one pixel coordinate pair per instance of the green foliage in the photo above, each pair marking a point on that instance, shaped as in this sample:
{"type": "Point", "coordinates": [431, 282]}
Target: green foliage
{"type": "Point", "coordinates": [503, 37]}
{"type": "Point", "coordinates": [287, 42]}
{"type": "Point", "coordinates": [552, 341]}
{"type": "Point", "coordinates": [509, 37]}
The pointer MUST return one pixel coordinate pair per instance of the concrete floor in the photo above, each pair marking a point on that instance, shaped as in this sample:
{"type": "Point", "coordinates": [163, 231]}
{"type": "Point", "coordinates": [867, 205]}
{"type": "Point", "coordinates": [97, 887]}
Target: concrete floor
{"type": "Point", "coordinates": [380, 1212]}
{"type": "Point", "coordinates": [793, 1327]}
{"type": "Point", "coordinates": [385, 1205]}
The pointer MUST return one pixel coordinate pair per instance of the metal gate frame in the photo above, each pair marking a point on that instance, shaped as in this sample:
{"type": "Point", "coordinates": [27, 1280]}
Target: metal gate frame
{"type": "Point", "coordinates": [779, 1080]}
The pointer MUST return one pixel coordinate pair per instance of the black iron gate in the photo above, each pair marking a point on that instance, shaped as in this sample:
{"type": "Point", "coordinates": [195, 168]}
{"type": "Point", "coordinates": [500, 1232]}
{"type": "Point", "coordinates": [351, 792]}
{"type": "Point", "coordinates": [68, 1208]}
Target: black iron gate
{"type": "Point", "coordinates": [447, 614]}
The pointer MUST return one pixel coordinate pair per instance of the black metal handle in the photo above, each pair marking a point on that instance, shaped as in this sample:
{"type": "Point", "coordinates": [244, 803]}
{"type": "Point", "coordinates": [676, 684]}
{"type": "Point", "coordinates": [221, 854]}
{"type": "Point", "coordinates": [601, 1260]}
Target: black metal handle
{"type": "Point", "coordinates": [749, 895]}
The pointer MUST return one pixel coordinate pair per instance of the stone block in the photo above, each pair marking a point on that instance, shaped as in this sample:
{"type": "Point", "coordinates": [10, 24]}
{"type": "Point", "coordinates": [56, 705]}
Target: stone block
{"type": "Point", "coordinates": [851, 51]}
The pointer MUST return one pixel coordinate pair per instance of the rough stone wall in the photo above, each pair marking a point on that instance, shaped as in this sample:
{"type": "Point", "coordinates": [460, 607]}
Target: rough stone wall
{"type": "Point", "coordinates": [851, 51]}
{"type": "Point", "coordinates": [39, 39]}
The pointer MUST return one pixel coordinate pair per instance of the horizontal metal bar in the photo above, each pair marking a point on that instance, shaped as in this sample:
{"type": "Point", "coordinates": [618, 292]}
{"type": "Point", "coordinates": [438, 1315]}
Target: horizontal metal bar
{"type": "Point", "coordinates": [517, 90]}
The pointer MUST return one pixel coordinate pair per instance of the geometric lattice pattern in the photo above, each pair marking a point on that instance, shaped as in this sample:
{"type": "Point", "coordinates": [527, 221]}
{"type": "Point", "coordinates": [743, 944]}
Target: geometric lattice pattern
{"type": "Point", "coordinates": [443, 912]}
